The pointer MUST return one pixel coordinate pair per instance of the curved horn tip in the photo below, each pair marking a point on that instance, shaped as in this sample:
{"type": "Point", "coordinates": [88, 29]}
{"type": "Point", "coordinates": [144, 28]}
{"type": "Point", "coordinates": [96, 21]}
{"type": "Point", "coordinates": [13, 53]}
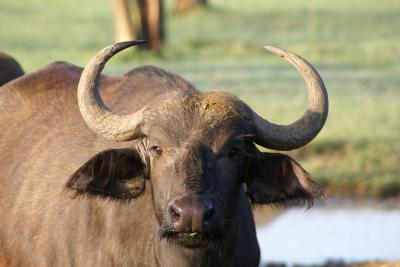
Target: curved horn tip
{"type": "Point", "coordinates": [123, 45]}
{"type": "Point", "coordinates": [276, 50]}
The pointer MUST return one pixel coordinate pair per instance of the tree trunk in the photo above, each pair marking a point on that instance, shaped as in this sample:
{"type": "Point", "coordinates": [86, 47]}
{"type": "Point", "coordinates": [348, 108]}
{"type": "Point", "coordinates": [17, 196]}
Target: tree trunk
{"type": "Point", "coordinates": [152, 20]}
{"type": "Point", "coordinates": [183, 6]}
{"type": "Point", "coordinates": [124, 29]}
{"type": "Point", "coordinates": [139, 19]}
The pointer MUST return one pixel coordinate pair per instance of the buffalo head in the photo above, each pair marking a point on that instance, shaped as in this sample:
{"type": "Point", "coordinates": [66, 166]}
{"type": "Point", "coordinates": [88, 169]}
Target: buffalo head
{"type": "Point", "coordinates": [197, 152]}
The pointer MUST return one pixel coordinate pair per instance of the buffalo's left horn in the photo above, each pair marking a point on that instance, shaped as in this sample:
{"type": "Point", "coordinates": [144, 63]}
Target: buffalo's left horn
{"type": "Point", "coordinates": [97, 116]}
{"type": "Point", "coordinates": [302, 131]}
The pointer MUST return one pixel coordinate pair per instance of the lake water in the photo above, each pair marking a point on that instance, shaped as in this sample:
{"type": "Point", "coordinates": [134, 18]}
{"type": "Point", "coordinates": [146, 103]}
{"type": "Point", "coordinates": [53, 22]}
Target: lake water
{"type": "Point", "coordinates": [348, 233]}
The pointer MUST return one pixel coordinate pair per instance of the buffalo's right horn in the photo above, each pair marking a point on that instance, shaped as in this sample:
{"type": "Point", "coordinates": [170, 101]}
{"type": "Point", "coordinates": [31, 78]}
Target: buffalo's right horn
{"type": "Point", "coordinates": [302, 131]}
{"type": "Point", "coordinates": [97, 116]}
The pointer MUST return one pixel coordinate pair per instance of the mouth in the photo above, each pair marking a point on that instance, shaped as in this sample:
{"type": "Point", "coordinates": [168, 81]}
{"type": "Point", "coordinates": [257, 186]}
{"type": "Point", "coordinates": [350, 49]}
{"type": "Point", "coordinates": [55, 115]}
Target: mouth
{"type": "Point", "coordinates": [193, 239]}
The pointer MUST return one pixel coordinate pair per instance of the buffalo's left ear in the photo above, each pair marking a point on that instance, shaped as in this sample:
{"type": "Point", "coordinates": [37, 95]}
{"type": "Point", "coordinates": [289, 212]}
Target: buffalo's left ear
{"type": "Point", "coordinates": [278, 179]}
{"type": "Point", "coordinates": [116, 173]}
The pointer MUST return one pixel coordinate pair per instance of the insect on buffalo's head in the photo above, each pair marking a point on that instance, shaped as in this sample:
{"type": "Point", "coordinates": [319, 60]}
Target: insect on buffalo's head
{"type": "Point", "coordinates": [198, 152]}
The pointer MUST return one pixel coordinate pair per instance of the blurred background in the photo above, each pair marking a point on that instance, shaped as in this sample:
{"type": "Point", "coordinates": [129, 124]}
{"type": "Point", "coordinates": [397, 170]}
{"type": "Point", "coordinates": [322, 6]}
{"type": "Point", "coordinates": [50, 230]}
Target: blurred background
{"type": "Point", "coordinates": [218, 45]}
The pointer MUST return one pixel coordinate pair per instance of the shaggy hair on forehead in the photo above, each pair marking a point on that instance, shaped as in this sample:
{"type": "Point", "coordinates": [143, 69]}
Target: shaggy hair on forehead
{"type": "Point", "coordinates": [199, 115]}
{"type": "Point", "coordinates": [219, 107]}
{"type": "Point", "coordinates": [214, 108]}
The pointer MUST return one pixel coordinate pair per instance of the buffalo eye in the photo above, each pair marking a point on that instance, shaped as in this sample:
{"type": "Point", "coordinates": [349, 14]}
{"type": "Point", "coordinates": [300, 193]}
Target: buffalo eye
{"type": "Point", "coordinates": [233, 152]}
{"type": "Point", "coordinates": [157, 151]}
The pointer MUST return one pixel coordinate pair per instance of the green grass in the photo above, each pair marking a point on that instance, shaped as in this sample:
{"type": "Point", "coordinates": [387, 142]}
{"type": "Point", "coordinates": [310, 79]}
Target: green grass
{"type": "Point", "coordinates": [354, 44]}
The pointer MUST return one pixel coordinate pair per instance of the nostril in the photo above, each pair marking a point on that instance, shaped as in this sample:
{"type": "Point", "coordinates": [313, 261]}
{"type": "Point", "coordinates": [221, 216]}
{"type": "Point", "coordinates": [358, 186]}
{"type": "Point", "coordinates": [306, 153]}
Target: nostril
{"type": "Point", "coordinates": [174, 212]}
{"type": "Point", "coordinates": [208, 214]}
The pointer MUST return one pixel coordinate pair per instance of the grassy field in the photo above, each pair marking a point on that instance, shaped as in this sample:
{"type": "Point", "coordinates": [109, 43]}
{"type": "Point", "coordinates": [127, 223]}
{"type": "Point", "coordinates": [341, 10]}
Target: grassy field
{"type": "Point", "coordinates": [355, 44]}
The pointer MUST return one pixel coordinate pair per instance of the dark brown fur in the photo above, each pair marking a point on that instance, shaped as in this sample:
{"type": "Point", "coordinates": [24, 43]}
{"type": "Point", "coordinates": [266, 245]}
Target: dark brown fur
{"type": "Point", "coordinates": [47, 152]}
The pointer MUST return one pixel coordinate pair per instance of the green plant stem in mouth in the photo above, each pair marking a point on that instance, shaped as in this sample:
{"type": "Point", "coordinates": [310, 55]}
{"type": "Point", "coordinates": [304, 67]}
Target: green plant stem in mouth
{"type": "Point", "coordinates": [194, 234]}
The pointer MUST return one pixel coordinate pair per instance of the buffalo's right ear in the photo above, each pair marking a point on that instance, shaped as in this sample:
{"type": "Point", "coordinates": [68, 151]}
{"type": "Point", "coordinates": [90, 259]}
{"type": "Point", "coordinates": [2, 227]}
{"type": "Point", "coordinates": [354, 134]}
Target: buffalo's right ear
{"type": "Point", "coordinates": [116, 173]}
{"type": "Point", "coordinates": [278, 179]}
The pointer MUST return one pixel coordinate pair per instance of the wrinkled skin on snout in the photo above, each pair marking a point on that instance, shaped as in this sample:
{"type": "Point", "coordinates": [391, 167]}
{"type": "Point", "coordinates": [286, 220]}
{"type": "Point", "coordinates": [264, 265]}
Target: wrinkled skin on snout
{"type": "Point", "coordinates": [175, 184]}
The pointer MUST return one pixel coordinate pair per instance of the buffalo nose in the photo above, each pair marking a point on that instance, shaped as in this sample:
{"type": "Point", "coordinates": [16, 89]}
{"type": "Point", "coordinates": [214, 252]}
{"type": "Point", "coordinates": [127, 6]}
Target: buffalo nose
{"type": "Point", "coordinates": [191, 214]}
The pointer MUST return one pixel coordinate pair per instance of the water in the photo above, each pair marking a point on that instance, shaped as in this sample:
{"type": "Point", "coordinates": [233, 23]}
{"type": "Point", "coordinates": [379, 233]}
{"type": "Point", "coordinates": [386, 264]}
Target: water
{"type": "Point", "coordinates": [348, 234]}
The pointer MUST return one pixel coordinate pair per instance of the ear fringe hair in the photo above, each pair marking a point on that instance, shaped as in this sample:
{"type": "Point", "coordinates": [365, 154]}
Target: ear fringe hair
{"type": "Point", "coordinates": [292, 201]}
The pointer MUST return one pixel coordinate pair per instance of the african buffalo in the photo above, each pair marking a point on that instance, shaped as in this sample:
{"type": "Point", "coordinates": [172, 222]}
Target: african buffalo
{"type": "Point", "coordinates": [9, 69]}
{"type": "Point", "coordinates": [164, 176]}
